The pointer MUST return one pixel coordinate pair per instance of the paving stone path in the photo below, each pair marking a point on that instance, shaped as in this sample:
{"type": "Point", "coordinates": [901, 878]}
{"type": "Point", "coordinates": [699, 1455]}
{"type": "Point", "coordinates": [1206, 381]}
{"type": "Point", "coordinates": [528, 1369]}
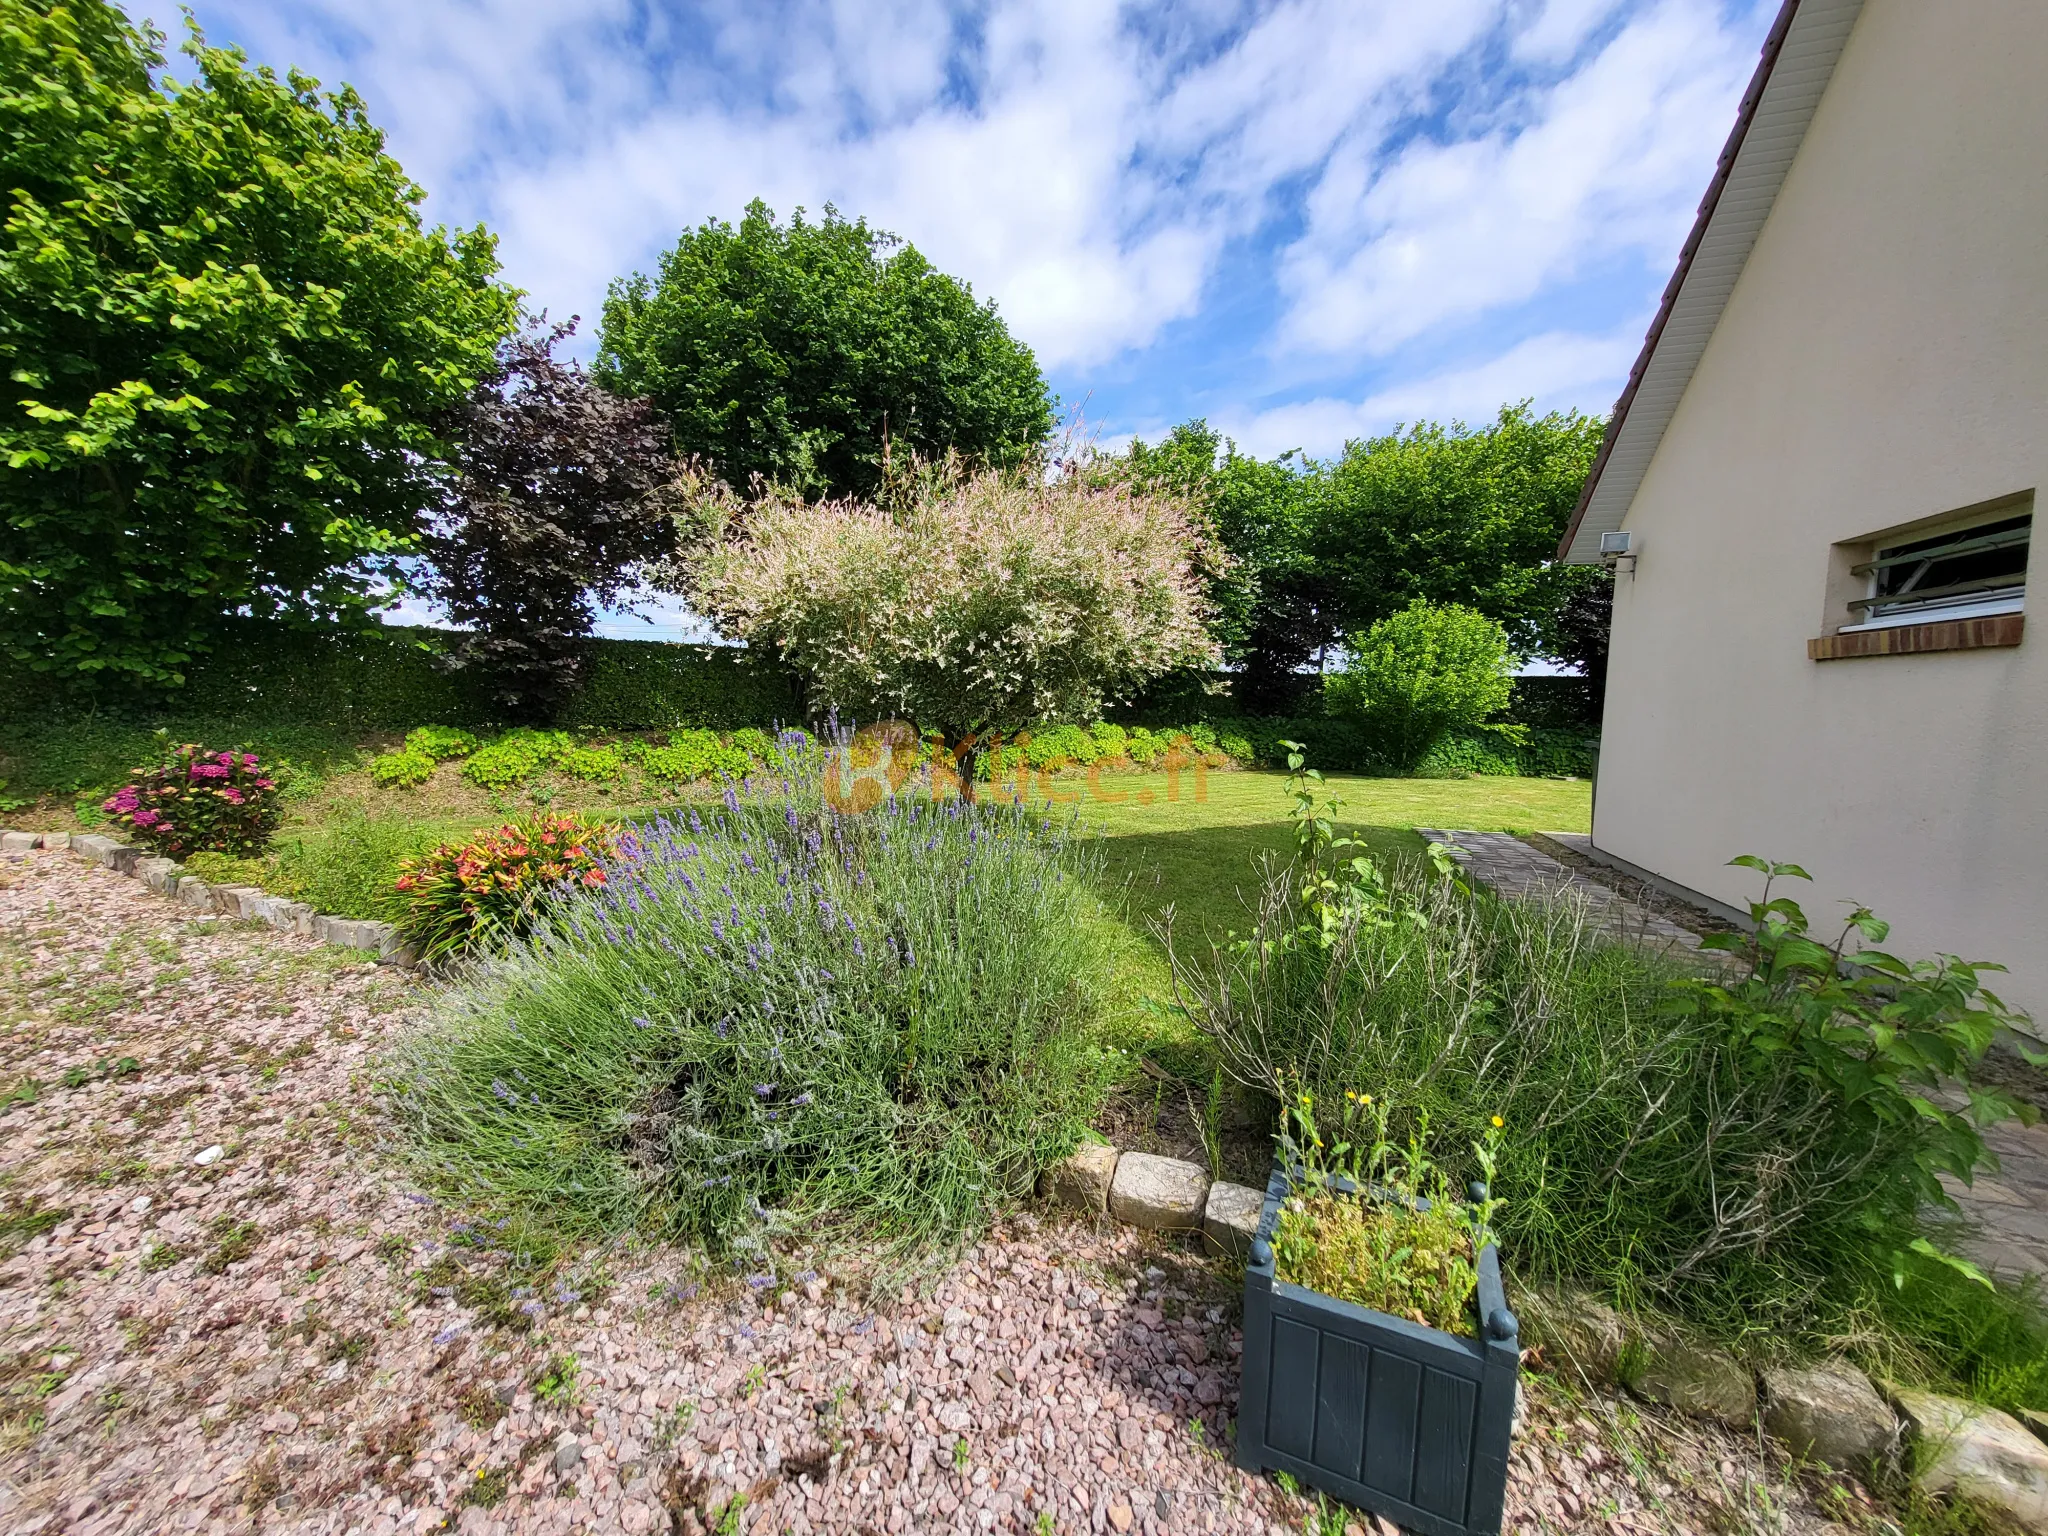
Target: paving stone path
{"type": "Point", "coordinates": [2009, 1209]}
{"type": "Point", "coordinates": [1513, 868]}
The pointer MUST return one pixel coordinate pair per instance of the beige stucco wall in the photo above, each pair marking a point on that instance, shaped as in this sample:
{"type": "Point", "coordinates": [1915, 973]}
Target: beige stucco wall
{"type": "Point", "coordinates": [1884, 358]}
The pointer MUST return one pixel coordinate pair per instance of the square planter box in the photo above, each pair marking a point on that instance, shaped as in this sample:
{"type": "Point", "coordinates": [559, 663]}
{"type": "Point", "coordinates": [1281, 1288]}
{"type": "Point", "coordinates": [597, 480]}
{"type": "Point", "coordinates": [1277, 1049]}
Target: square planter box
{"type": "Point", "coordinates": [1382, 1413]}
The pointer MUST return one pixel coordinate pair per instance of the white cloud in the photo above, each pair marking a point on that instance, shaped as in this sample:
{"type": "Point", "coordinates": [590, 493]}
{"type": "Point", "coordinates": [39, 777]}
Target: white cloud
{"type": "Point", "coordinates": [1088, 166]}
{"type": "Point", "coordinates": [1557, 370]}
{"type": "Point", "coordinates": [1610, 163]}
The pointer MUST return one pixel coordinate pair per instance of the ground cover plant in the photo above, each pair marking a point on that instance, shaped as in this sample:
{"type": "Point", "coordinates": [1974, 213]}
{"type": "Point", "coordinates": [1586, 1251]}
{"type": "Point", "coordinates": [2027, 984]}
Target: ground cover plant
{"type": "Point", "coordinates": [772, 1015]}
{"type": "Point", "coordinates": [1751, 1151]}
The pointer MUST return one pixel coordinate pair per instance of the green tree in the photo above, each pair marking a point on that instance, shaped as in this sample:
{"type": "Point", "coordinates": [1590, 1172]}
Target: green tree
{"type": "Point", "coordinates": [228, 334]}
{"type": "Point", "coordinates": [1272, 602]}
{"type": "Point", "coordinates": [806, 352]}
{"type": "Point", "coordinates": [1454, 515]}
{"type": "Point", "coordinates": [1422, 673]}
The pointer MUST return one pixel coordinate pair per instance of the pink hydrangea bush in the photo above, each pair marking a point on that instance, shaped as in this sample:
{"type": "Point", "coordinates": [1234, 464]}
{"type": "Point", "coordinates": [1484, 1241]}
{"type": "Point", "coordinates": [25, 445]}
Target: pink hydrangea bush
{"type": "Point", "coordinates": [199, 801]}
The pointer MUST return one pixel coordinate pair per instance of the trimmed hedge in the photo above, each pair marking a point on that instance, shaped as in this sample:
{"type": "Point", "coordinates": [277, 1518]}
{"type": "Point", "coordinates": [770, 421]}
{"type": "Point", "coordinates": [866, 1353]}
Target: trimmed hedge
{"type": "Point", "coordinates": [386, 679]}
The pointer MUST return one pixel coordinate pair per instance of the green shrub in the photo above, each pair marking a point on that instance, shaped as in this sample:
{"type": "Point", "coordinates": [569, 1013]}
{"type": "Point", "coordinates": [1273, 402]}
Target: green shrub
{"type": "Point", "coordinates": [593, 765]}
{"type": "Point", "coordinates": [1420, 674]}
{"type": "Point", "coordinates": [779, 1019]}
{"type": "Point", "coordinates": [479, 894]}
{"type": "Point", "coordinates": [440, 742]}
{"type": "Point", "coordinates": [515, 757]}
{"type": "Point", "coordinates": [1110, 740]}
{"type": "Point", "coordinates": [196, 799]}
{"type": "Point", "coordinates": [692, 755]}
{"type": "Point", "coordinates": [1754, 1151]}
{"type": "Point", "coordinates": [405, 769]}
{"type": "Point", "coordinates": [1144, 748]}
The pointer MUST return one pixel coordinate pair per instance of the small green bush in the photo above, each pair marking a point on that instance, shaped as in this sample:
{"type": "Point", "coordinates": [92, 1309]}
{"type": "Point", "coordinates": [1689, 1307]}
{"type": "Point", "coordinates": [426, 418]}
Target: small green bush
{"type": "Point", "coordinates": [1754, 1150]}
{"type": "Point", "coordinates": [593, 765]}
{"type": "Point", "coordinates": [773, 1019]}
{"type": "Point", "coordinates": [1421, 673]}
{"type": "Point", "coordinates": [440, 742]}
{"type": "Point", "coordinates": [405, 769]}
{"type": "Point", "coordinates": [692, 755]}
{"type": "Point", "coordinates": [1110, 739]}
{"type": "Point", "coordinates": [515, 757]}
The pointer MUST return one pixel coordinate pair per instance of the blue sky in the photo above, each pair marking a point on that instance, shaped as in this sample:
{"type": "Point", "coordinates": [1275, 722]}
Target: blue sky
{"type": "Point", "coordinates": [1306, 220]}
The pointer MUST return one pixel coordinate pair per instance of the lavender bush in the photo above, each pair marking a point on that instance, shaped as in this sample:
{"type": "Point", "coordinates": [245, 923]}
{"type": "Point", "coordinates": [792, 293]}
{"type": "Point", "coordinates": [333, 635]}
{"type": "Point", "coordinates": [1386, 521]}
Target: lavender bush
{"type": "Point", "coordinates": [775, 1014]}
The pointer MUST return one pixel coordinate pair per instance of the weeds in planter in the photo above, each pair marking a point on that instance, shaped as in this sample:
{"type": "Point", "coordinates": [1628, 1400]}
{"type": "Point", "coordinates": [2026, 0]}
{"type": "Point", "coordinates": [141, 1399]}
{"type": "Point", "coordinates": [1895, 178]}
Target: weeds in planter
{"type": "Point", "coordinates": [776, 1015]}
{"type": "Point", "coordinates": [1375, 1225]}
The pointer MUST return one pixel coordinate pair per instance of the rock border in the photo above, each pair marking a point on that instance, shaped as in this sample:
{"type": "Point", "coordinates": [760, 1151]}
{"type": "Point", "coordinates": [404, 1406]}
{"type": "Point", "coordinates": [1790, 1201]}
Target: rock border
{"type": "Point", "coordinates": [244, 902]}
{"type": "Point", "coordinates": [1830, 1412]}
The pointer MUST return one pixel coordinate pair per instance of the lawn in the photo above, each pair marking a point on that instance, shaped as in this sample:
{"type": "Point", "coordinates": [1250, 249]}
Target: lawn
{"type": "Point", "coordinates": [1192, 848]}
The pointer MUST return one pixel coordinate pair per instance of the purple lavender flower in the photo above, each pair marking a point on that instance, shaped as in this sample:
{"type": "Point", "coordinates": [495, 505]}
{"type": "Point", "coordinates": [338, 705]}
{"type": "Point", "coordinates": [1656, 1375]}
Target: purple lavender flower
{"type": "Point", "coordinates": [800, 1100]}
{"type": "Point", "coordinates": [643, 1023]}
{"type": "Point", "coordinates": [763, 1090]}
{"type": "Point", "coordinates": [760, 1282]}
{"type": "Point", "coordinates": [500, 1090]}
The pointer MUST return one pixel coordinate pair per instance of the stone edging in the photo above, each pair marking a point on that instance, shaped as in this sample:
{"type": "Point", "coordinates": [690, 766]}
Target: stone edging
{"type": "Point", "coordinates": [1831, 1413]}
{"type": "Point", "coordinates": [237, 901]}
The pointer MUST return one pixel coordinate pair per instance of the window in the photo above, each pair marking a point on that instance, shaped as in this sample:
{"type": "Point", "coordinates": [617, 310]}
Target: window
{"type": "Point", "coordinates": [1965, 573]}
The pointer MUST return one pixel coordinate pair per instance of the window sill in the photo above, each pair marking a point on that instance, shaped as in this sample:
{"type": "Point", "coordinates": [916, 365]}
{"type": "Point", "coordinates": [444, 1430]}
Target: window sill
{"type": "Point", "coordinates": [1917, 639]}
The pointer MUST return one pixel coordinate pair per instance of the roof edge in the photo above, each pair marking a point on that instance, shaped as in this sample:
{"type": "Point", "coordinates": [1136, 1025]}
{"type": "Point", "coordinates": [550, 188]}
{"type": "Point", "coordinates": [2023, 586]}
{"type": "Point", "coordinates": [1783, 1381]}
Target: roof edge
{"type": "Point", "coordinates": [1745, 115]}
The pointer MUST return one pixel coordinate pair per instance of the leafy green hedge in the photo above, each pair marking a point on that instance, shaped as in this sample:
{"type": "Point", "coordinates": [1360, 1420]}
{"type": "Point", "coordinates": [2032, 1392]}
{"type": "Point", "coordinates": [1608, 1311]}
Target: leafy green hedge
{"type": "Point", "coordinates": [387, 679]}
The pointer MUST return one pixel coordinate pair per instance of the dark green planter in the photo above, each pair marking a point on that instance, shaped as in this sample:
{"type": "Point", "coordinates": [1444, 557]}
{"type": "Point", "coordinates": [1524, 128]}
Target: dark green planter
{"type": "Point", "coordinates": [1377, 1411]}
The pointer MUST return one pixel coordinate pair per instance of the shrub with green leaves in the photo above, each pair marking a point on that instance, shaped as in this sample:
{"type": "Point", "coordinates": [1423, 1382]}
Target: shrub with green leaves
{"type": "Point", "coordinates": [515, 757]}
{"type": "Point", "coordinates": [692, 755]}
{"type": "Point", "coordinates": [1420, 674]}
{"type": "Point", "coordinates": [593, 764]}
{"type": "Point", "coordinates": [195, 799]}
{"type": "Point", "coordinates": [440, 742]}
{"type": "Point", "coordinates": [404, 769]}
{"type": "Point", "coordinates": [776, 1019]}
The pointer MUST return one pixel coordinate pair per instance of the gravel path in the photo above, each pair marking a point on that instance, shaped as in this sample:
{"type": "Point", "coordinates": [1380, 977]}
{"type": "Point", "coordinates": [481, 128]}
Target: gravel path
{"type": "Point", "coordinates": [224, 1307]}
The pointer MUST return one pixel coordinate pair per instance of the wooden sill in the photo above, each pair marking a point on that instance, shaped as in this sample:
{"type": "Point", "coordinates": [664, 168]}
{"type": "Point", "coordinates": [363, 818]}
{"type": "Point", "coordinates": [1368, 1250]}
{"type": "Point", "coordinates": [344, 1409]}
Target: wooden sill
{"type": "Point", "coordinates": [1916, 639]}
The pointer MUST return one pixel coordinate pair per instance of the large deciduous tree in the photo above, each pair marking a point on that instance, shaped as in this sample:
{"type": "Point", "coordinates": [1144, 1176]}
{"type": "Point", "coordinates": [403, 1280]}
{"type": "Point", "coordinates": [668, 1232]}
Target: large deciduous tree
{"type": "Point", "coordinates": [975, 604]}
{"type": "Point", "coordinates": [559, 496]}
{"type": "Point", "coordinates": [1274, 607]}
{"type": "Point", "coordinates": [1454, 515]}
{"type": "Point", "coordinates": [806, 353]}
{"type": "Point", "coordinates": [225, 334]}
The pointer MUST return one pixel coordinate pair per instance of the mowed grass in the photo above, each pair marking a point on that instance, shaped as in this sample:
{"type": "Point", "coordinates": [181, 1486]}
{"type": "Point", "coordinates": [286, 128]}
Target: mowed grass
{"type": "Point", "coordinates": [1184, 854]}
{"type": "Point", "coordinates": [1189, 847]}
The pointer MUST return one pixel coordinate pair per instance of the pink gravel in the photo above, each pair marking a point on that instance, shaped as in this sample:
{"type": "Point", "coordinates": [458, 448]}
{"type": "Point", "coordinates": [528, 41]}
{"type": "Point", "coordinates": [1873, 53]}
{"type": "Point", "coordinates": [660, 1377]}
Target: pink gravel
{"type": "Point", "coordinates": [286, 1336]}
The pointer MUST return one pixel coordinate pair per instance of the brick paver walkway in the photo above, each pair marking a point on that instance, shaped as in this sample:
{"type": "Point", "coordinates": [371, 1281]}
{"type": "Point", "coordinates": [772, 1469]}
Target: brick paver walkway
{"type": "Point", "coordinates": [1511, 867]}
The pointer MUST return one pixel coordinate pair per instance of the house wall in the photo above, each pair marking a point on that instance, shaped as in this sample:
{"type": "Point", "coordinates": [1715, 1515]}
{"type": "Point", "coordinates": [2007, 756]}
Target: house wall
{"type": "Point", "coordinates": [1883, 359]}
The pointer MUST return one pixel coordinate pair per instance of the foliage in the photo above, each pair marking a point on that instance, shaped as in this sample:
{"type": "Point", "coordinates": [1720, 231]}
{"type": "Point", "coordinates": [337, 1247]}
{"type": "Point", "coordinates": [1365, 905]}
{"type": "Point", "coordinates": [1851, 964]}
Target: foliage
{"type": "Point", "coordinates": [1420, 674]}
{"type": "Point", "coordinates": [560, 494]}
{"type": "Point", "coordinates": [198, 799]}
{"type": "Point", "coordinates": [1452, 515]}
{"type": "Point", "coordinates": [481, 894]}
{"type": "Point", "coordinates": [1661, 1147]}
{"type": "Point", "coordinates": [775, 1019]}
{"type": "Point", "coordinates": [229, 336]}
{"type": "Point", "coordinates": [1366, 1225]}
{"type": "Point", "coordinates": [692, 755]}
{"type": "Point", "coordinates": [978, 605]}
{"type": "Point", "coordinates": [440, 742]}
{"type": "Point", "coordinates": [1576, 629]}
{"type": "Point", "coordinates": [802, 352]}
{"type": "Point", "coordinates": [515, 757]}
{"type": "Point", "coordinates": [347, 864]}
{"type": "Point", "coordinates": [1879, 1039]}
{"type": "Point", "coordinates": [403, 769]}
{"type": "Point", "coordinates": [594, 764]}
{"type": "Point", "coordinates": [1272, 602]}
